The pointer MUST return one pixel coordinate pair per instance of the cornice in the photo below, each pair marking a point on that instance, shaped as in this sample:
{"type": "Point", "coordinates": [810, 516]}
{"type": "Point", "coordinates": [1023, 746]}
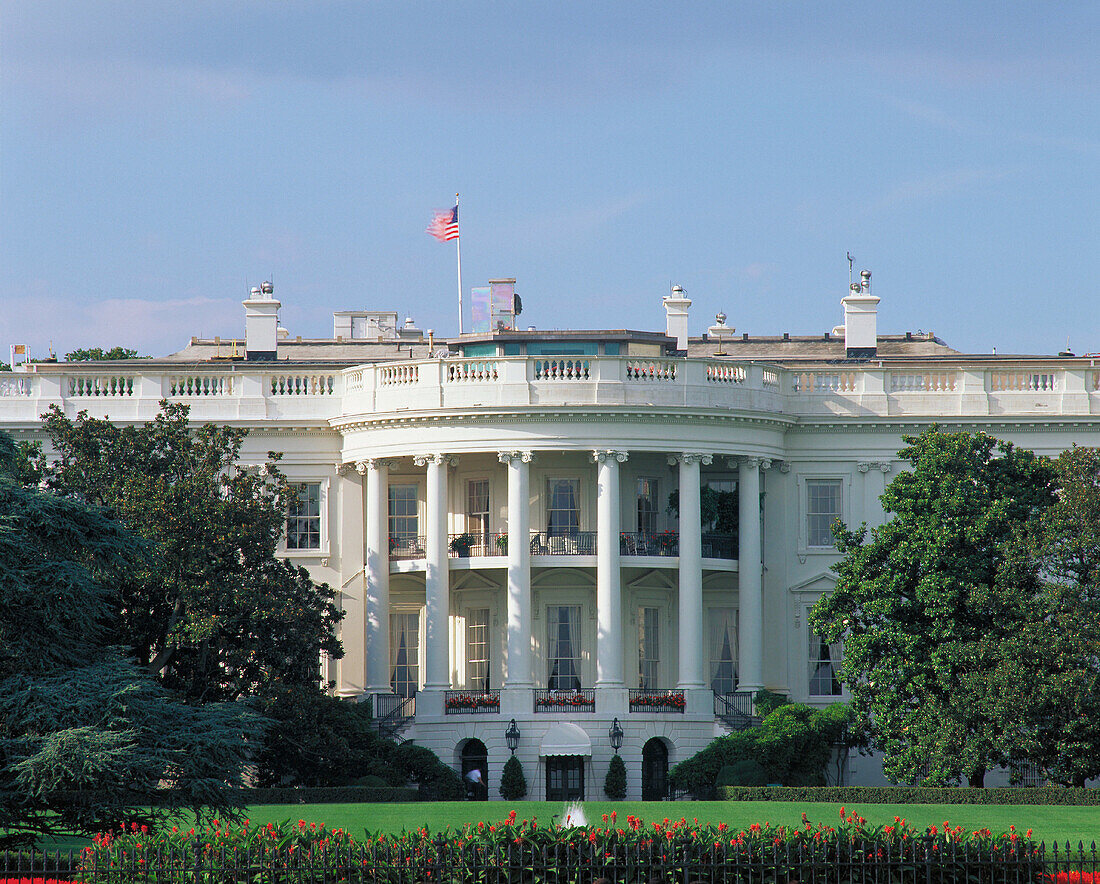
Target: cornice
{"type": "Point", "coordinates": [991, 424]}
{"type": "Point", "coordinates": [575, 415]}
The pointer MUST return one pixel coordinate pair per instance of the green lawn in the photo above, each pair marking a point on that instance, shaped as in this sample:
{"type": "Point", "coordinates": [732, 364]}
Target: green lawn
{"type": "Point", "coordinates": [1047, 822]}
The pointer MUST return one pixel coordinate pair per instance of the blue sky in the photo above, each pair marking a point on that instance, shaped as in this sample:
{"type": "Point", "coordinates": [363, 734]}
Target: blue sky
{"type": "Point", "coordinates": [156, 160]}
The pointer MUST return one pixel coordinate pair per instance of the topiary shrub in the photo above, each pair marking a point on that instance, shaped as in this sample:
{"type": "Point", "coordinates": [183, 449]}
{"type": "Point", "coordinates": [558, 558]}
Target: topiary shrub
{"type": "Point", "coordinates": [614, 784]}
{"type": "Point", "coordinates": [747, 772]}
{"type": "Point", "coordinates": [513, 784]}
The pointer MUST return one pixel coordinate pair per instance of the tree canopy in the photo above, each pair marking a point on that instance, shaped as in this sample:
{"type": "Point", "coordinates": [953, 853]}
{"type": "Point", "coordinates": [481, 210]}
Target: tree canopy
{"type": "Point", "coordinates": [935, 608]}
{"type": "Point", "coordinates": [84, 730]}
{"type": "Point", "coordinates": [212, 611]}
{"type": "Point", "coordinates": [98, 354]}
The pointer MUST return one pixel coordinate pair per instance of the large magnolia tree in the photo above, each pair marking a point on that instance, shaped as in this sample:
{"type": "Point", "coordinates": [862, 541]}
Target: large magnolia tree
{"type": "Point", "coordinates": [212, 612]}
{"type": "Point", "coordinates": [941, 610]}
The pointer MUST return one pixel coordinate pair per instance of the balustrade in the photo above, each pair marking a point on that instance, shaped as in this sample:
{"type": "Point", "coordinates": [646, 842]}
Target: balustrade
{"type": "Point", "coordinates": [725, 373]}
{"type": "Point", "coordinates": [922, 382]}
{"type": "Point", "coordinates": [101, 385]}
{"type": "Point", "coordinates": [471, 371]}
{"type": "Point", "coordinates": [561, 369]}
{"type": "Point", "coordinates": [199, 385]}
{"type": "Point", "coordinates": [303, 385]}
{"type": "Point", "coordinates": [650, 370]}
{"type": "Point", "coordinates": [1022, 381]}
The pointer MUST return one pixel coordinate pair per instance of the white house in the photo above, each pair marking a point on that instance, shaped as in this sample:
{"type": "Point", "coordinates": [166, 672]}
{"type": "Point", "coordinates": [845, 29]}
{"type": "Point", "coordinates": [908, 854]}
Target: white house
{"type": "Point", "coordinates": [495, 511]}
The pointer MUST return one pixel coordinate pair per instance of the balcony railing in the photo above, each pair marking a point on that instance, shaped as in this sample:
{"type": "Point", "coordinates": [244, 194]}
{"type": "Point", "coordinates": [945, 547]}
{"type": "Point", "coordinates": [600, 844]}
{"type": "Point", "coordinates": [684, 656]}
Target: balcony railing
{"type": "Point", "coordinates": [578, 700]}
{"type": "Point", "coordinates": [656, 700]}
{"type": "Point", "coordinates": [578, 543]}
{"type": "Point", "coordinates": [667, 543]}
{"type": "Point", "coordinates": [471, 702]}
{"type": "Point", "coordinates": [470, 545]}
{"type": "Point", "coordinates": [735, 709]}
{"type": "Point", "coordinates": [407, 546]}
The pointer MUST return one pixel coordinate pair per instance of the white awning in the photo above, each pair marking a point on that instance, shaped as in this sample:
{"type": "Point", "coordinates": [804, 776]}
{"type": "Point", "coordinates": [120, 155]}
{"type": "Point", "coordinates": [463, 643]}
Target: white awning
{"type": "Point", "coordinates": [565, 738]}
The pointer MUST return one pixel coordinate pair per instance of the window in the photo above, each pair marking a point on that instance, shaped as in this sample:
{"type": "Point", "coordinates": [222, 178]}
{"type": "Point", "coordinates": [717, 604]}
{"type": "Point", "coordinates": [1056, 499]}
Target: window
{"type": "Point", "coordinates": [563, 647]}
{"type": "Point", "coordinates": [648, 505]}
{"type": "Point", "coordinates": [403, 520]}
{"type": "Point", "coordinates": [303, 517]}
{"type": "Point", "coordinates": [565, 778]}
{"type": "Point", "coordinates": [823, 507]}
{"type": "Point", "coordinates": [477, 508]}
{"type": "Point", "coordinates": [477, 649]}
{"type": "Point", "coordinates": [825, 660]}
{"type": "Point", "coordinates": [722, 641]}
{"type": "Point", "coordinates": [649, 657]}
{"type": "Point", "coordinates": [405, 652]}
{"type": "Point", "coordinates": [562, 513]}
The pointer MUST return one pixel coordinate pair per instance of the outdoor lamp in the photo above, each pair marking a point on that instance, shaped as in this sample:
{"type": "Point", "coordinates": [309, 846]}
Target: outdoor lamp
{"type": "Point", "coordinates": [615, 735]}
{"type": "Point", "coordinates": [512, 736]}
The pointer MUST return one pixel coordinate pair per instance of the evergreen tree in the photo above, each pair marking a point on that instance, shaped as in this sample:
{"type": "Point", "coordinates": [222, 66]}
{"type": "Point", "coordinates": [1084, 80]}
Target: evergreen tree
{"type": "Point", "coordinates": [614, 784]}
{"type": "Point", "coordinates": [84, 731]}
{"type": "Point", "coordinates": [513, 784]}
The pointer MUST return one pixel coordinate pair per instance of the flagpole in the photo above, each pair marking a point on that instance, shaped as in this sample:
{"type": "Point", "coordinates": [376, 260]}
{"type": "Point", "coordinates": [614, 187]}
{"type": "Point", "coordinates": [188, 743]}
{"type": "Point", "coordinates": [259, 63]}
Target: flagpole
{"type": "Point", "coordinates": [458, 251]}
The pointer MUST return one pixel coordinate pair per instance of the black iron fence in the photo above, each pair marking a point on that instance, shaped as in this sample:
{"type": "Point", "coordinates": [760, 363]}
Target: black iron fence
{"type": "Point", "coordinates": [565, 700]}
{"type": "Point", "coordinates": [471, 702]}
{"type": "Point", "coordinates": [573, 861]}
{"type": "Point", "coordinates": [656, 700]}
{"type": "Point", "coordinates": [470, 545]}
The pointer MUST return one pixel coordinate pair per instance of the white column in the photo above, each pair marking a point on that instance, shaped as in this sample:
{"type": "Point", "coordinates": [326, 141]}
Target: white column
{"type": "Point", "coordinates": [609, 603]}
{"type": "Point", "coordinates": [377, 607]}
{"type": "Point", "coordinates": [519, 570]}
{"type": "Point", "coordinates": [691, 571]}
{"type": "Point", "coordinates": [437, 652]}
{"type": "Point", "coordinates": [750, 639]}
{"type": "Point", "coordinates": [352, 667]}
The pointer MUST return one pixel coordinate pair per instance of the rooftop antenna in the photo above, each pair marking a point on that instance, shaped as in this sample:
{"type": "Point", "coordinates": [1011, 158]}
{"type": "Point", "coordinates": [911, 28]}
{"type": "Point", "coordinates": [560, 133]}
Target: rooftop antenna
{"type": "Point", "coordinates": [850, 261]}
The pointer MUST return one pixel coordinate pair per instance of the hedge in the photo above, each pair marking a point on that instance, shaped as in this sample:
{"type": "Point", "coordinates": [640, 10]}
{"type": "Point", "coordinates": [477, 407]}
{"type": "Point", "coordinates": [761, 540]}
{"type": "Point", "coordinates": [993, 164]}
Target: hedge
{"type": "Point", "coordinates": [911, 795]}
{"type": "Point", "coordinates": [330, 794]}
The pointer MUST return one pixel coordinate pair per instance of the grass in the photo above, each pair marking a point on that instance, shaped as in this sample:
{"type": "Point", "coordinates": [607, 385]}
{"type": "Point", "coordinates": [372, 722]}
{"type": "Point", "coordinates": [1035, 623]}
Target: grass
{"type": "Point", "coordinates": [1048, 822]}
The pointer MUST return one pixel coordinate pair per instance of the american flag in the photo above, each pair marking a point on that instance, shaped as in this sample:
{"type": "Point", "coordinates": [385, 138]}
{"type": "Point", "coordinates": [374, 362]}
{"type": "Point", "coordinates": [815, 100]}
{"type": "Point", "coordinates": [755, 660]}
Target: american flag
{"type": "Point", "coordinates": [444, 225]}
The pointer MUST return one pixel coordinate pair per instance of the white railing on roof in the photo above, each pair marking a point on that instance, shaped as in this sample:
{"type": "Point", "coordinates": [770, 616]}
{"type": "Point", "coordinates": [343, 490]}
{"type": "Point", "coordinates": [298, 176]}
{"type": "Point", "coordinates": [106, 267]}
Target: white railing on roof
{"type": "Point", "coordinates": [1024, 381]}
{"type": "Point", "coordinates": [101, 385]}
{"type": "Point", "coordinates": [471, 370]}
{"type": "Point", "coordinates": [560, 368]}
{"type": "Point", "coordinates": [651, 370]}
{"type": "Point", "coordinates": [303, 385]}
{"type": "Point", "coordinates": [199, 385]}
{"type": "Point", "coordinates": [825, 381]}
{"type": "Point", "coordinates": [922, 382]}
{"type": "Point", "coordinates": [316, 393]}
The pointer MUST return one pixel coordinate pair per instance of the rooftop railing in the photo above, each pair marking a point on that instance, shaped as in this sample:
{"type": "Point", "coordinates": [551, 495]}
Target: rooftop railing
{"type": "Point", "coordinates": [304, 392]}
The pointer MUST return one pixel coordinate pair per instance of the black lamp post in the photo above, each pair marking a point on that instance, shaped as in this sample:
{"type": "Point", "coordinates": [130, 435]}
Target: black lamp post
{"type": "Point", "coordinates": [512, 736]}
{"type": "Point", "coordinates": [615, 735]}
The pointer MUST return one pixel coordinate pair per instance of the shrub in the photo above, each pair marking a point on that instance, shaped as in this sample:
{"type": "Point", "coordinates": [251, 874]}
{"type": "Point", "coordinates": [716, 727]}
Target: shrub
{"type": "Point", "coordinates": [747, 772]}
{"type": "Point", "coordinates": [614, 784]}
{"type": "Point", "coordinates": [437, 781]}
{"type": "Point", "coordinates": [794, 745]}
{"type": "Point", "coordinates": [766, 702]}
{"type": "Point", "coordinates": [513, 784]}
{"type": "Point", "coordinates": [1050, 795]}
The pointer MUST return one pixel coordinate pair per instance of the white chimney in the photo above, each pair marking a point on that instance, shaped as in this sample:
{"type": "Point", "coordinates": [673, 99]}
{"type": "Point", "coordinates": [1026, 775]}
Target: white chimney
{"type": "Point", "coordinates": [860, 319]}
{"type": "Point", "coordinates": [676, 316]}
{"type": "Point", "coordinates": [261, 324]}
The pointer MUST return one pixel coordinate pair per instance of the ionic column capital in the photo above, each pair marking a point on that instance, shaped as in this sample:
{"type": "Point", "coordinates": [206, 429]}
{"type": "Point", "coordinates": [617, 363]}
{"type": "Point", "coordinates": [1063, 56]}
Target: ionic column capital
{"type": "Point", "coordinates": [601, 455]}
{"type": "Point", "coordinates": [881, 465]}
{"type": "Point", "coordinates": [689, 457]}
{"type": "Point", "coordinates": [447, 460]}
{"type": "Point", "coordinates": [372, 463]}
{"type": "Point", "coordinates": [343, 469]}
{"type": "Point", "coordinates": [520, 456]}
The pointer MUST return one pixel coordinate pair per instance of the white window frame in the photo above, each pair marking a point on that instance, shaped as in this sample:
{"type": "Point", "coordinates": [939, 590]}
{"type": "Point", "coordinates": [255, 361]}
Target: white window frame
{"type": "Point", "coordinates": [321, 551]}
{"type": "Point", "coordinates": [808, 633]}
{"type": "Point", "coordinates": [405, 481]}
{"type": "Point", "coordinates": [421, 614]}
{"type": "Point", "coordinates": [845, 479]}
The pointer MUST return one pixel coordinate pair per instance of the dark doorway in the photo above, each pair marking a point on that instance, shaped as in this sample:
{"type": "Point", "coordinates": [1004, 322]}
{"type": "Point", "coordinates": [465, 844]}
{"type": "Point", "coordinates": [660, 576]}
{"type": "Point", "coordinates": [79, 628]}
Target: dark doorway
{"type": "Point", "coordinates": [565, 778]}
{"type": "Point", "coordinates": [475, 757]}
{"type": "Point", "coordinates": [654, 770]}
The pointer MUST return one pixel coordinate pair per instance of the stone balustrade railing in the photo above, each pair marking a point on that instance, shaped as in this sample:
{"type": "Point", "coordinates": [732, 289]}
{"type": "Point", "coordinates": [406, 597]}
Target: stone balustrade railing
{"type": "Point", "coordinates": [316, 393]}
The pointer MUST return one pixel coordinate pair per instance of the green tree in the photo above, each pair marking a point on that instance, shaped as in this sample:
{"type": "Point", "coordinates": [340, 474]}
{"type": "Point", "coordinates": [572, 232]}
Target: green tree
{"type": "Point", "coordinates": [84, 731]}
{"type": "Point", "coordinates": [614, 784]}
{"type": "Point", "coordinates": [213, 613]}
{"type": "Point", "coordinates": [1060, 709]}
{"type": "Point", "coordinates": [932, 607]}
{"type": "Point", "coordinates": [98, 354]}
{"type": "Point", "coordinates": [513, 784]}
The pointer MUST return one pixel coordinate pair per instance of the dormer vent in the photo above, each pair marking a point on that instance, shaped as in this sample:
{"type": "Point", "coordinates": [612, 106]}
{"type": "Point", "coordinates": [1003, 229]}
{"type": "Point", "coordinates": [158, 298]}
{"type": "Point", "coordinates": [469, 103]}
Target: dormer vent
{"type": "Point", "coordinates": [860, 319]}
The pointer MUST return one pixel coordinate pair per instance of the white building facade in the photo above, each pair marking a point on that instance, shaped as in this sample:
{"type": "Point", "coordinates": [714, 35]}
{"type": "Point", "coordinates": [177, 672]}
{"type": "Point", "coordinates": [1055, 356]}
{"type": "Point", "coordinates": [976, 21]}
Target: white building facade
{"type": "Point", "coordinates": [521, 526]}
